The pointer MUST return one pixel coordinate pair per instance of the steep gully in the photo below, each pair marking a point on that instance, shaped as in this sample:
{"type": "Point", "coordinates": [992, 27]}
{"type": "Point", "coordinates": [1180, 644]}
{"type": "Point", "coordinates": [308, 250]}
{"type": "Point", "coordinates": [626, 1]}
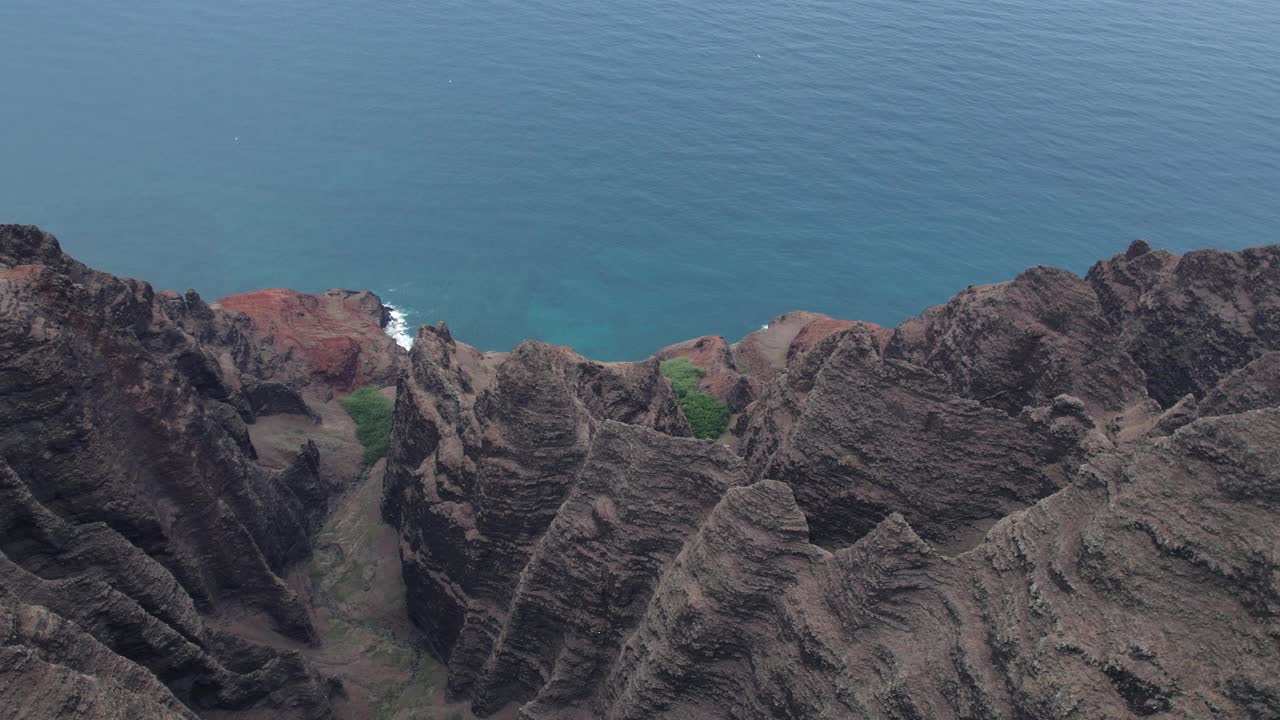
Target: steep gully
{"type": "Point", "coordinates": [1051, 497]}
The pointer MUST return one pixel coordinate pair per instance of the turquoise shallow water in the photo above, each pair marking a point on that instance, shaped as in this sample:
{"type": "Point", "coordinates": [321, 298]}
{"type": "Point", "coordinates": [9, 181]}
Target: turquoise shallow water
{"type": "Point", "coordinates": [617, 176]}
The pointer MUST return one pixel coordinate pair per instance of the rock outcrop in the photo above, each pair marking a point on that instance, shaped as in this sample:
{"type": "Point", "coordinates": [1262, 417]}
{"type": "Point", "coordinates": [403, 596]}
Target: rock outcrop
{"type": "Point", "coordinates": [1188, 321]}
{"type": "Point", "coordinates": [50, 668]}
{"type": "Point", "coordinates": [858, 437]}
{"type": "Point", "coordinates": [333, 340]}
{"type": "Point", "coordinates": [1048, 498]}
{"type": "Point", "coordinates": [1145, 588]}
{"type": "Point", "coordinates": [637, 498]}
{"type": "Point", "coordinates": [736, 374]}
{"type": "Point", "coordinates": [1252, 387]}
{"type": "Point", "coordinates": [764, 354]}
{"type": "Point", "coordinates": [486, 448]}
{"type": "Point", "coordinates": [135, 520]}
{"type": "Point", "coordinates": [1022, 343]}
{"type": "Point", "coordinates": [982, 513]}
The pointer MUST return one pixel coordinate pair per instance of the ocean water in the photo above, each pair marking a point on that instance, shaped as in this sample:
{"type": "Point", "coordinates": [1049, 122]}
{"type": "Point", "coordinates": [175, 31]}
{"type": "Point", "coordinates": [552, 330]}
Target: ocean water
{"type": "Point", "coordinates": [617, 176]}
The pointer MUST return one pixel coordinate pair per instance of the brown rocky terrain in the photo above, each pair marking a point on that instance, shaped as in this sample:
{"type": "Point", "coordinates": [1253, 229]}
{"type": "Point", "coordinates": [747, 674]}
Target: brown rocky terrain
{"type": "Point", "coordinates": [334, 340]}
{"type": "Point", "coordinates": [737, 373]}
{"type": "Point", "coordinates": [139, 524]}
{"type": "Point", "coordinates": [1054, 497]}
{"type": "Point", "coordinates": [1189, 320]}
{"type": "Point", "coordinates": [1145, 588]}
{"type": "Point", "coordinates": [487, 448]}
{"type": "Point", "coordinates": [858, 437]}
{"type": "Point", "coordinates": [1000, 509]}
{"type": "Point", "coordinates": [1022, 343]}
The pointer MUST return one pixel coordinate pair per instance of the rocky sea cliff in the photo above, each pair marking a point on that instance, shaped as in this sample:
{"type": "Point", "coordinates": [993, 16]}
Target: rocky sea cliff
{"type": "Point", "coordinates": [1052, 497]}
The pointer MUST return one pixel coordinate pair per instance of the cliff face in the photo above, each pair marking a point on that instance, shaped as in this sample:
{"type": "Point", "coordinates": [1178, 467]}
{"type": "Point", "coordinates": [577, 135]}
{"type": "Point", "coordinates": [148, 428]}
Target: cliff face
{"type": "Point", "coordinates": [1022, 343]}
{"type": "Point", "coordinates": [1189, 320]}
{"type": "Point", "coordinates": [858, 436]}
{"type": "Point", "coordinates": [134, 518]}
{"type": "Point", "coordinates": [487, 448]}
{"type": "Point", "coordinates": [334, 340]}
{"type": "Point", "coordinates": [737, 374]}
{"type": "Point", "coordinates": [1145, 588]}
{"type": "Point", "coordinates": [1012, 506]}
{"type": "Point", "coordinates": [1049, 498]}
{"type": "Point", "coordinates": [51, 668]}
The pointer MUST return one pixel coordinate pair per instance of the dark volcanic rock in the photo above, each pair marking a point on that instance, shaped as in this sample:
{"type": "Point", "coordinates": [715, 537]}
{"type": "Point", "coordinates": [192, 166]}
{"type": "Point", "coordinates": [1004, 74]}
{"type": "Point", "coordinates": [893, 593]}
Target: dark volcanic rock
{"type": "Point", "coordinates": [691, 656]}
{"type": "Point", "coordinates": [1182, 413]}
{"type": "Point", "coordinates": [981, 515]}
{"type": "Point", "coordinates": [1252, 387]}
{"type": "Point", "coordinates": [133, 507]}
{"type": "Point", "coordinates": [1023, 342]}
{"type": "Point", "coordinates": [1190, 320]}
{"type": "Point", "coordinates": [93, 577]}
{"type": "Point", "coordinates": [638, 496]}
{"type": "Point", "coordinates": [273, 398]}
{"type": "Point", "coordinates": [486, 448]}
{"type": "Point", "coordinates": [1121, 281]}
{"type": "Point", "coordinates": [858, 437]}
{"type": "Point", "coordinates": [50, 668]}
{"type": "Point", "coordinates": [1018, 531]}
{"type": "Point", "coordinates": [1106, 600]}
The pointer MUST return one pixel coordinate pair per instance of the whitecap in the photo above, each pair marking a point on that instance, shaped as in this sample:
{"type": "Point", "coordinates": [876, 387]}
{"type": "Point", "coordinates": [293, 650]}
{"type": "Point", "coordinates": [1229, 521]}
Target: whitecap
{"type": "Point", "coordinates": [398, 328]}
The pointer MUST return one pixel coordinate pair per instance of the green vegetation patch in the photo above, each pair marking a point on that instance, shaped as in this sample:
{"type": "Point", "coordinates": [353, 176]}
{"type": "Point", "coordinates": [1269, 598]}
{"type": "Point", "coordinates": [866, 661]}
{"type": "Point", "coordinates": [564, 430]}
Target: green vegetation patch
{"type": "Point", "coordinates": [682, 373]}
{"type": "Point", "coordinates": [372, 413]}
{"type": "Point", "coordinates": [708, 417]}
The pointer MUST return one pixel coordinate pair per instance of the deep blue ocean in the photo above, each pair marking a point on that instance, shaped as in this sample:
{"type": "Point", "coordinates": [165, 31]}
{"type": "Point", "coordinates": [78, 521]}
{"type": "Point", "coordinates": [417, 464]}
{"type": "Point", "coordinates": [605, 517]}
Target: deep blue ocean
{"type": "Point", "coordinates": [619, 175]}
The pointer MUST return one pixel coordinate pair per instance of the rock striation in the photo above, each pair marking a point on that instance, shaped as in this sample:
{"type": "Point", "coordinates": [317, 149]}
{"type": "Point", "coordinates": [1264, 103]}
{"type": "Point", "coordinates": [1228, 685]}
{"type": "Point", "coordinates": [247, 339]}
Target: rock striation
{"type": "Point", "coordinates": [137, 529]}
{"type": "Point", "coordinates": [857, 437]}
{"type": "Point", "coordinates": [1002, 508]}
{"type": "Point", "coordinates": [50, 668]}
{"type": "Point", "coordinates": [1189, 320]}
{"type": "Point", "coordinates": [1108, 599]}
{"type": "Point", "coordinates": [1022, 343]}
{"type": "Point", "coordinates": [1055, 497]}
{"type": "Point", "coordinates": [486, 448]}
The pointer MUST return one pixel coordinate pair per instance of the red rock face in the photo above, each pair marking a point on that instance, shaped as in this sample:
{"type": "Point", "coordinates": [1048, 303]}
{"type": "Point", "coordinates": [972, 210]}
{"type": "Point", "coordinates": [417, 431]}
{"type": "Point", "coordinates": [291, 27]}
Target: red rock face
{"type": "Point", "coordinates": [334, 339]}
{"type": "Point", "coordinates": [825, 327]}
{"type": "Point", "coordinates": [766, 352]}
{"type": "Point", "coordinates": [736, 373]}
{"type": "Point", "coordinates": [20, 273]}
{"type": "Point", "coordinates": [709, 352]}
{"type": "Point", "coordinates": [712, 354]}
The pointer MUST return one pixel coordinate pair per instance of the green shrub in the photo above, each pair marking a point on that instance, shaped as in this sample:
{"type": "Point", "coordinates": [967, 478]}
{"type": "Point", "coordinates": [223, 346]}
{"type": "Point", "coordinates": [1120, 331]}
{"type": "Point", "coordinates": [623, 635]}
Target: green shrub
{"type": "Point", "coordinates": [682, 373]}
{"type": "Point", "coordinates": [372, 413]}
{"type": "Point", "coordinates": [708, 417]}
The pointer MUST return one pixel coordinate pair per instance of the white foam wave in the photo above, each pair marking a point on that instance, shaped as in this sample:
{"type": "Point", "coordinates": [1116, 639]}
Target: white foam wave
{"type": "Point", "coordinates": [398, 328]}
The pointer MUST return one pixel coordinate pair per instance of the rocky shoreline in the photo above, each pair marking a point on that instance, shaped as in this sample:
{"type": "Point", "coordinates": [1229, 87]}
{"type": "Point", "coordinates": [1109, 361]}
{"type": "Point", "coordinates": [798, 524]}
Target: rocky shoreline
{"type": "Point", "coordinates": [1054, 497]}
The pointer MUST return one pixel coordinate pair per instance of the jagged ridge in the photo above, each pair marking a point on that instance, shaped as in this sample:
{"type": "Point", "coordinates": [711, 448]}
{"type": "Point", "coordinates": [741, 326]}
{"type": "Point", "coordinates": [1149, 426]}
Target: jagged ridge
{"type": "Point", "coordinates": [995, 483]}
